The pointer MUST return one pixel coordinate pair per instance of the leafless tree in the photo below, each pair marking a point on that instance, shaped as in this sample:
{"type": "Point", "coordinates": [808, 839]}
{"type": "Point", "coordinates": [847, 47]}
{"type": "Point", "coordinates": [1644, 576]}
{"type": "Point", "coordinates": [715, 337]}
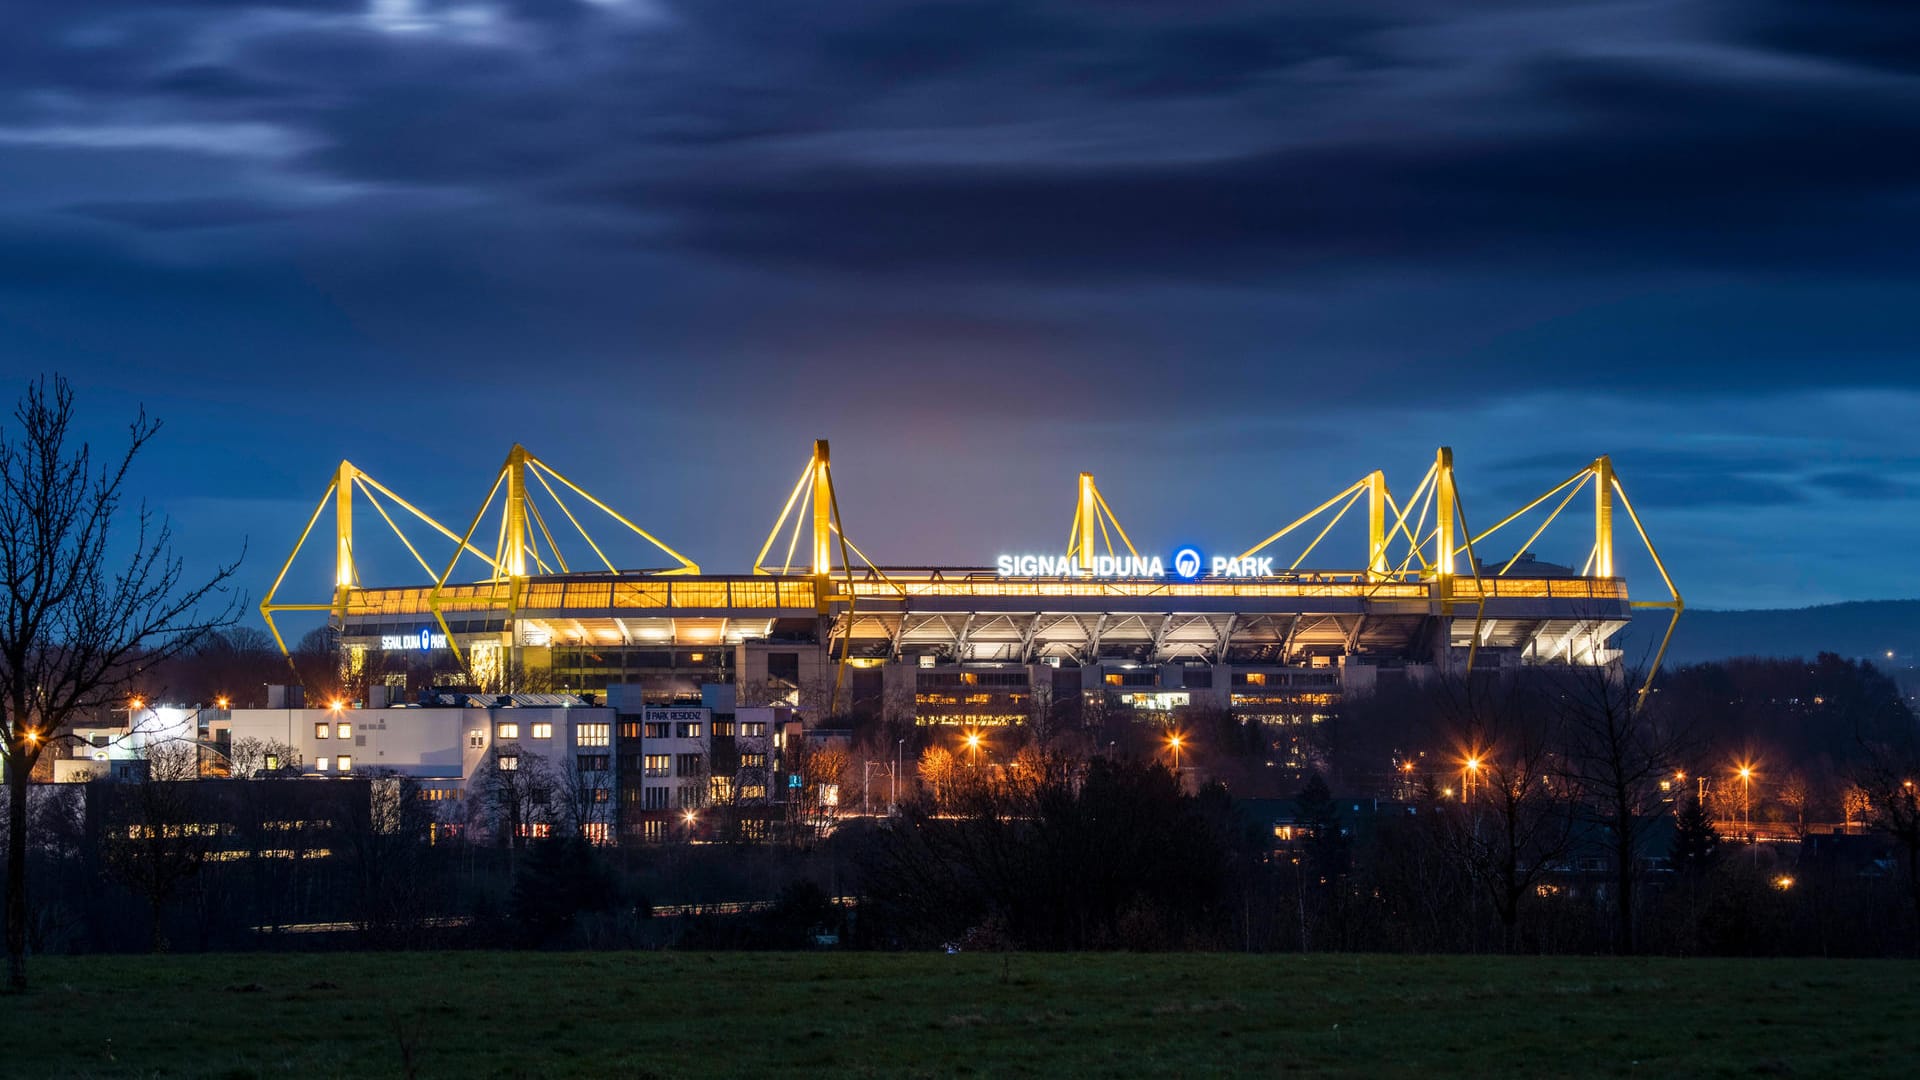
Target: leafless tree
{"type": "Point", "coordinates": [1616, 748]}
{"type": "Point", "coordinates": [514, 791]}
{"type": "Point", "coordinates": [250, 756]}
{"type": "Point", "coordinates": [1515, 817]}
{"type": "Point", "coordinates": [1793, 799]}
{"type": "Point", "coordinates": [158, 840]}
{"type": "Point", "coordinates": [936, 771]}
{"type": "Point", "coordinates": [82, 608]}
{"type": "Point", "coordinates": [584, 793]}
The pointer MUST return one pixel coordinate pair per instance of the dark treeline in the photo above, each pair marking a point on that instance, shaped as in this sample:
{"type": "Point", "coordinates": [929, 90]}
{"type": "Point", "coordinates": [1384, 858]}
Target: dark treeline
{"type": "Point", "coordinates": [1544, 810]}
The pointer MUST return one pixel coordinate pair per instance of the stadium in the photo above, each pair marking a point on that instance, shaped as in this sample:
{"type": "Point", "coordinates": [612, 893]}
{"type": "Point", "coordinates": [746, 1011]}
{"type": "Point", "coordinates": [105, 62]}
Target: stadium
{"type": "Point", "coordinates": [1277, 632]}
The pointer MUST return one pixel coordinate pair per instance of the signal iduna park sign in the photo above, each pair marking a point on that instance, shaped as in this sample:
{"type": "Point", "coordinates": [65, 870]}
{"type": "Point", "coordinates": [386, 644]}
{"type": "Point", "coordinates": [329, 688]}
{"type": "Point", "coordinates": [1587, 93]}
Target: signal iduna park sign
{"type": "Point", "coordinates": [1187, 565]}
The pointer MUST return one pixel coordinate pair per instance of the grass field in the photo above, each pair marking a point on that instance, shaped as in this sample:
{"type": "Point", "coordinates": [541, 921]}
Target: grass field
{"type": "Point", "coordinates": [739, 1014]}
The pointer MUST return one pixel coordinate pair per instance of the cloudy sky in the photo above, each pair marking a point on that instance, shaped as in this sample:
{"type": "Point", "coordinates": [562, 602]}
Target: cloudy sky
{"type": "Point", "coordinates": [1227, 256]}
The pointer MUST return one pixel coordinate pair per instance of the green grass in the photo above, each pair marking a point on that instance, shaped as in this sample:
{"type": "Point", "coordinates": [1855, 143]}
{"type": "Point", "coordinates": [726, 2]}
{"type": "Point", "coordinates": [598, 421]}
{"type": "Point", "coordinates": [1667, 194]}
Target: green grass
{"type": "Point", "coordinates": [741, 1014]}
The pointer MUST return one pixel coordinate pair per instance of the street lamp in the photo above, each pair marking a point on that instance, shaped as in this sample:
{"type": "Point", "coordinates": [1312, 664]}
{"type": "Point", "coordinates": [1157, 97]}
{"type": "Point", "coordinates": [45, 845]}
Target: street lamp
{"type": "Point", "coordinates": [1174, 742]}
{"type": "Point", "coordinates": [1745, 772]}
{"type": "Point", "coordinates": [1467, 776]}
{"type": "Point", "coordinates": [973, 747]}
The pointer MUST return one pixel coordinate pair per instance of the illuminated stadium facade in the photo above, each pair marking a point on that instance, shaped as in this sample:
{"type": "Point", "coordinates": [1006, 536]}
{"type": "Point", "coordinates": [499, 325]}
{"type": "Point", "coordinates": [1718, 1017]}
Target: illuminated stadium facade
{"type": "Point", "coordinates": [1098, 624]}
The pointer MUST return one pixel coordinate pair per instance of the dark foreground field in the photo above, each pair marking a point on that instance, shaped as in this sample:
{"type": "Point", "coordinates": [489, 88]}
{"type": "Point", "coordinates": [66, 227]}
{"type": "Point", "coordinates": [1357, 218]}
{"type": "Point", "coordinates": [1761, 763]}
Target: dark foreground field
{"type": "Point", "coordinates": [738, 1014]}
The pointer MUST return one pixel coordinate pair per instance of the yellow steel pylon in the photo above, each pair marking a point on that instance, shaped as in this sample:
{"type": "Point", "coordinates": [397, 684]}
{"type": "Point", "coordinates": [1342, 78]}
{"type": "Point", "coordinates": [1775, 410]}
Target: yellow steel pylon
{"type": "Point", "coordinates": [517, 548]}
{"type": "Point", "coordinates": [347, 480]}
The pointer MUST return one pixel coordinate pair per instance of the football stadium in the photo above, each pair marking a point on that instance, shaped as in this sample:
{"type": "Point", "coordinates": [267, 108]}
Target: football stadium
{"type": "Point", "coordinates": [1278, 631]}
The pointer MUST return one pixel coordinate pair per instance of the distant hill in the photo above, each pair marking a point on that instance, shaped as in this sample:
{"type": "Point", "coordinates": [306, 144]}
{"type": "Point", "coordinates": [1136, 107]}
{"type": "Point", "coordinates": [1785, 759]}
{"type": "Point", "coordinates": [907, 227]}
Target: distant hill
{"type": "Point", "coordinates": [1864, 629]}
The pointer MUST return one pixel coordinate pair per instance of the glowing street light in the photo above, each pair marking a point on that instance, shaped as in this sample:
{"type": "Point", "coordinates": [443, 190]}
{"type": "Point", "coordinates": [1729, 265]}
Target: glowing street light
{"type": "Point", "coordinates": [222, 702]}
{"type": "Point", "coordinates": [973, 748]}
{"type": "Point", "coordinates": [1468, 773]}
{"type": "Point", "coordinates": [336, 705]}
{"type": "Point", "coordinates": [137, 704]}
{"type": "Point", "coordinates": [1174, 742]}
{"type": "Point", "coordinates": [1745, 772]}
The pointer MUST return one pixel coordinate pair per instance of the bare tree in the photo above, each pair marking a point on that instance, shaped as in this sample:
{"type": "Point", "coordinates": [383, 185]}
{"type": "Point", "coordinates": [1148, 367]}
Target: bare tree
{"type": "Point", "coordinates": [81, 608]}
{"type": "Point", "coordinates": [1617, 750]}
{"type": "Point", "coordinates": [514, 790]}
{"type": "Point", "coordinates": [584, 794]}
{"type": "Point", "coordinates": [936, 770]}
{"type": "Point", "coordinates": [249, 757]}
{"type": "Point", "coordinates": [158, 840]}
{"type": "Point", "coordinates": [1515, 817]}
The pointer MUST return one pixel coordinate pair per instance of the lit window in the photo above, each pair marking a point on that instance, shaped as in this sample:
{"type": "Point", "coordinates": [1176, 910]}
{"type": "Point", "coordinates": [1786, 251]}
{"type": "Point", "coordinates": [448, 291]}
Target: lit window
{"type": "Point", "coordinates": [753, 761]}
{"type": "Point", "coordinates": [720, 788]}
{"type": "Point", "coordinates": [593, 734]}
{"type": "Point", "coordinates": [505, 730]}
{"type": "Point", "coordinates": [543, 731]}
{"type": "Point", "coordinates": [723, 729]}
{"type": "Point", "coordinates": [658, 730]}
{"type": "Point", "coordinates": [689, 731]}
{"type": "Point", "coordinates": [1113, 678]}
{"type": "Point", "coordinates": [344, 731]}
{"type": "Point", "coordinates": [753, 729]}
{"type": "Point", "coordinates": [273, 762]}
{"type": "Point", "coordinates": [321, 731]}
{"type": "Point", "coordinates": [658, 765]}
{"type": "Point", "coordinates": [346, 763]}
{"type": "Point", "coordinates": [509, 762]}
{"type": "Point", "coordinates": [320, 764]}
{"type": "Point", "coordinates": [476, 738]}
{"type": "Point", "coordinates": [1256, 678]}
{"type": "Point", "coordinates": [696, 658]}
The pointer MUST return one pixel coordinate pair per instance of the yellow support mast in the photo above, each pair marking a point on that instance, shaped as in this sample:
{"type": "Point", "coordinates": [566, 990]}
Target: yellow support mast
{"type": "Point", "coordinates": [517, 554]}
{"type": "Point", "coordinates": [347, 482]}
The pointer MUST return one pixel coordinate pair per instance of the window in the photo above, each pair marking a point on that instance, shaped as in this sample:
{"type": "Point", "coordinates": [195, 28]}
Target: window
{"type": "Point", "coordinates": [273, 762]}
{"type": "Point", "coordinates": [476, 738]}
{"type": "Point", "coordinates": [753, 761]}
{"type": "Point", "coordinates": [687, 765]}
{"type": "Point", "coordinates": [322, 731]}
{"type": "Point", "coordinates": [658, 765]}
{"type": "Point", "coordinates": [508, 762]}
{"type": "Point", "coordinates": [690, 797]}
{"type": "Point", "coordinates": [346, 763]}
{"type": "Point", "coordinates": [753, 729]}
{"type": "Point", "coordinates": [543, 730]}
{"type": "Point", "coordinates": [506, 730]}
{"type": "Point", "coordinates": [723, 729]}
{"type": "Point", "coordinates": [658, 731]}
{"type": "Point", "coordinates": [320, 764]}
{"type": "Point", "coordinates": [597, 832]}
{"type": "Point", "coordinates": [653, 798]}
{"type": "Point", "coordinates": [720, 788]}
{"type": "Point", "coordinates": [344, 731]}
{"type": "Point", "coordinates": [592, 763]}
{"type": "Point", "coordinates": [593, 735]}
{"type": "Point", "coordinates": [751, 792]}
{"type": "Point", "coordinates": [689, 731]}
{"type": "Point", "coordinates": [653, 831]}
{"type": "Point", "coordinates": [784, 666]}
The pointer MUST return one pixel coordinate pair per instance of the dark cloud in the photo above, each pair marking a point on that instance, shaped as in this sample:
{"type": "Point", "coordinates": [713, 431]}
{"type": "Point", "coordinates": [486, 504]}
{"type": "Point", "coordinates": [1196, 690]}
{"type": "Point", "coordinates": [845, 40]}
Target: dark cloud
{"type": "Point", "coordinates": [1271, 243]}
{"type": "Point", "coordinates": [1883, 34]}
